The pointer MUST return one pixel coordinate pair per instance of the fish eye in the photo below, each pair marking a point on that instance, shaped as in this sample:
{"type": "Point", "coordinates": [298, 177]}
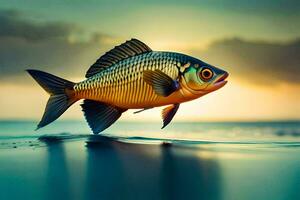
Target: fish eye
{"type": "Point", "coordinates": [206, 74]}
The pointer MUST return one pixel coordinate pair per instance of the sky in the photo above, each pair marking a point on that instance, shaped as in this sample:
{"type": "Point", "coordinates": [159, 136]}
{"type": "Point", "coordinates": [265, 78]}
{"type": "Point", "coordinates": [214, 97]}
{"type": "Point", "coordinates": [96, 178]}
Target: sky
{"type": "Point", "coordinates": [257, 42]}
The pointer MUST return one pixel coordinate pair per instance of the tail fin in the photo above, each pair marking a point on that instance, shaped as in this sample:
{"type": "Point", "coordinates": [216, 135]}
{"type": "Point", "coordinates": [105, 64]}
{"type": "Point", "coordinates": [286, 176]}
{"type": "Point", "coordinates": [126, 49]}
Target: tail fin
{"type": "Point", "coordinates": [61, 95]}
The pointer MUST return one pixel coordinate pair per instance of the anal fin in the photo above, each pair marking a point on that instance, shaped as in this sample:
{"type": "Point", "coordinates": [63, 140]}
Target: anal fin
{"type": "Point", "coordinates": [168, 113]}
{"type": "Point", "coordinates": [100, 115]}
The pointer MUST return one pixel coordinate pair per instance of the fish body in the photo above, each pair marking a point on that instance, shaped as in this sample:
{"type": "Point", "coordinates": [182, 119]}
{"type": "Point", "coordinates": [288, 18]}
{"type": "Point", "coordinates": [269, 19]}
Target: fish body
{"type": "Point", "coordinates": [131, 76]}
{"type": "Point", "coordinates": [123, 85]}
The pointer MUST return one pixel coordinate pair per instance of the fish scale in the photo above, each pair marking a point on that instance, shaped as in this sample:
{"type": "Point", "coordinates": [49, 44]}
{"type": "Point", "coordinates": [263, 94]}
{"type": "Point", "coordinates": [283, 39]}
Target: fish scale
{"type": "Point", "coordinates": [122, 84]}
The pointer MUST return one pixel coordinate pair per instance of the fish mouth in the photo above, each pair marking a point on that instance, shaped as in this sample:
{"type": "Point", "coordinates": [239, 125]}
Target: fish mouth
{"type": "Point", "coordinates": [220, 82]}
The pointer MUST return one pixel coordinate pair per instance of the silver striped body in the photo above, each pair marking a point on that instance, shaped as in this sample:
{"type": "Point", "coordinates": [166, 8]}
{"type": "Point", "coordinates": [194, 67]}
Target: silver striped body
{"type": "Point", "coordinates": [122, 84]}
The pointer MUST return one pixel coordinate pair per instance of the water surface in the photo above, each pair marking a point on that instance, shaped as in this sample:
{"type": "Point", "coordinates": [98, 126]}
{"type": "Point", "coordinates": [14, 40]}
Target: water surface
{"type": "Point", "coordinates": [140, 161]}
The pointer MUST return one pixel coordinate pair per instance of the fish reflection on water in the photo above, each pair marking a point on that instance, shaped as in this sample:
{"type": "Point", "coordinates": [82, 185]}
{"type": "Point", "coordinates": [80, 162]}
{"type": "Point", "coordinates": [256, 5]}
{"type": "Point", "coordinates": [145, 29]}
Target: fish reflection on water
{"type": "Point", "coordinates": [146, 169]}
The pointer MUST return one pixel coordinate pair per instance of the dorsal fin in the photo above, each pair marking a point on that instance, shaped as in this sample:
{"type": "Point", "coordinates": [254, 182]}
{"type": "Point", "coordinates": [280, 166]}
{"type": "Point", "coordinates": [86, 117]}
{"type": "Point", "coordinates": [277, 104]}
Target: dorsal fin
{"type": "Point", "coordinates": [128, 49]}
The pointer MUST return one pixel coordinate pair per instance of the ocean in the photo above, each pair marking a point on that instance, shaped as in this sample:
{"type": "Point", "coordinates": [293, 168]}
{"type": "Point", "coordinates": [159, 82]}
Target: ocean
{"type": "Point", "coordinates": [138, 160]}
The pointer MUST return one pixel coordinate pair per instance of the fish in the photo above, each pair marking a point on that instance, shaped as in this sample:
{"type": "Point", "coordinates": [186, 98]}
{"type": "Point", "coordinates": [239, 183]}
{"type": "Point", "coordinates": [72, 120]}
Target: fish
{"type": "Point", "coordinates": [130, 76]}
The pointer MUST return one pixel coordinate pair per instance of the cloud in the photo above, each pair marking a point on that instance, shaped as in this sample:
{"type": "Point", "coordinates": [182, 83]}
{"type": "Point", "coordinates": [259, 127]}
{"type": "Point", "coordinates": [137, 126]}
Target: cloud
{"type": "Point", "coordinates": [51, 47]}
{"type": "Point", "coordinates": [45, 46]}
{"type": "Point", "coordinates": [15, 24]}
{"type": "Point", "coordinates": [257, 62]}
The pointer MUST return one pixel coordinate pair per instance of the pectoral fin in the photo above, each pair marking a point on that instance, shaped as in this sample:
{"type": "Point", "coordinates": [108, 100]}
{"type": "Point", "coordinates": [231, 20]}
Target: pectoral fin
{"type": "Point", "coordinates": [162, 84]}
{"type": "Point", "coordinates": [168, 113]}
{"type": "Point", "coordinates": [100, 115]}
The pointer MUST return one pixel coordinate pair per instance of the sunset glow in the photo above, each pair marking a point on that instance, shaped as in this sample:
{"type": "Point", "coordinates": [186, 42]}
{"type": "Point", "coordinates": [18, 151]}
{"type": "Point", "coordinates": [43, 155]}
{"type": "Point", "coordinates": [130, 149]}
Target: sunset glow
{"type": "Point", "coordinates": [251, 41]}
